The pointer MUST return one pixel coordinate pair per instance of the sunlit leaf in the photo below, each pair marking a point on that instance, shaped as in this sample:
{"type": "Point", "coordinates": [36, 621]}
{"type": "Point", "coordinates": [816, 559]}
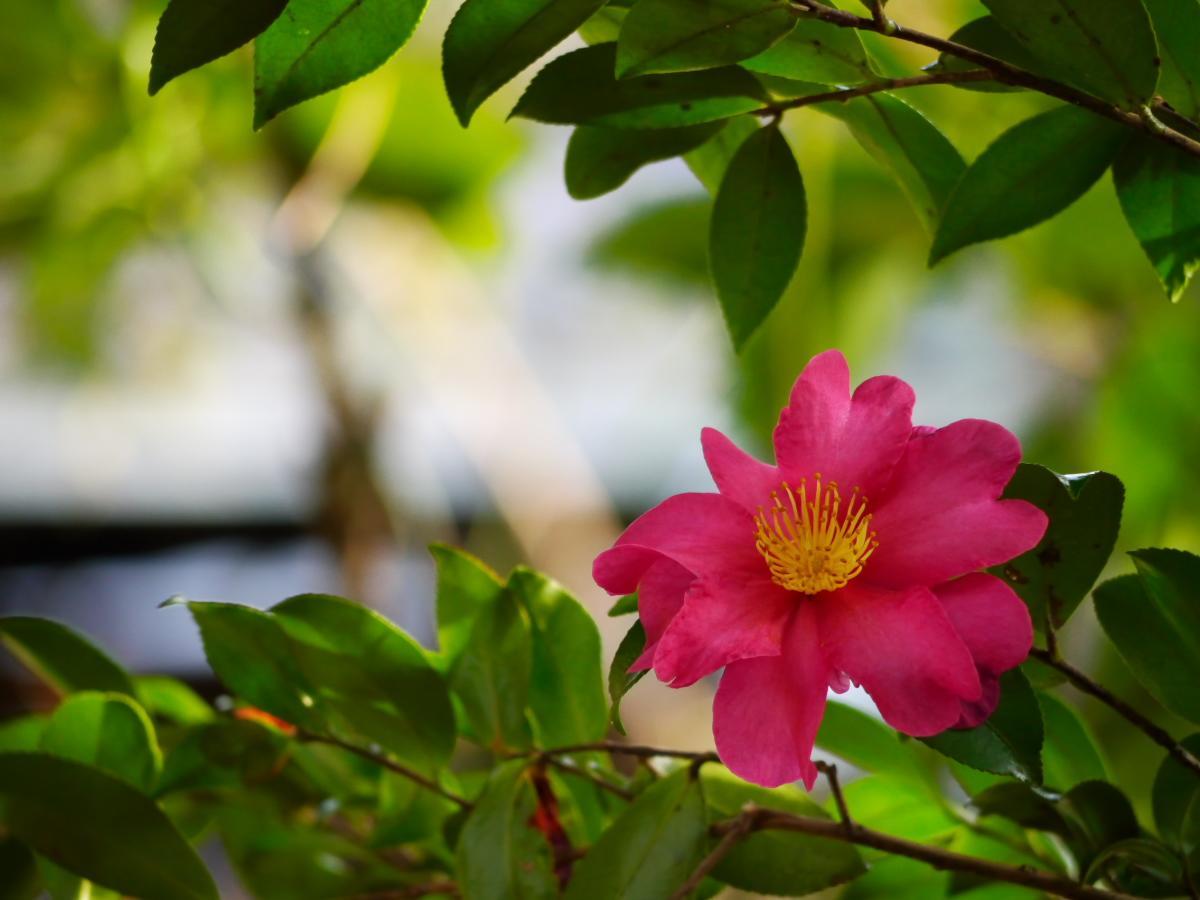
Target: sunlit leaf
{"type": "Point", "coordinates": [62, 657]}
{"type": "Point", "coordinates": [109, 732]}
{"type": "Point", "coordinates": [171, 699]}
{"type": "Point", "coordinates": [866, 742]}
{"type": "Point", "coordinates": [816, 51]}
{"type": "Point", "coordinates": [709, 161]}
{"type": "Point", "coordinates": [465, 586]}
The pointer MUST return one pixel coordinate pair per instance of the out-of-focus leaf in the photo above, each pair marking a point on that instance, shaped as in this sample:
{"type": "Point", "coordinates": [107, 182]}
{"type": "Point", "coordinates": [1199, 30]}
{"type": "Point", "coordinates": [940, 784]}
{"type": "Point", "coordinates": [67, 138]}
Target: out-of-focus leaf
{"type": "Point", "coordinates": [61, 657]}
{"type": "Point", "coordinates": [1176, 789]}
{"type": "Point", "coordinates": [600, 160]}
{"type": "Point", "coordinates": [650, 849]}
{"type": "Point", "coordinates": [604, 25]}
{"type": "Point", "coordinates": [22, 732]}
{"type": "Point", "coordinates": [318, 45]}
{"type": "Point", "coordinates": [501, 856]}
{"type": "Point", "coordinates": [465, 586]}
{"type": "Point", "coordinates": [581, 89]}
{"type": "Point", "coordinates": [487, 43]}
{"type": "Point", "coordinates": [988, 36]}
{"type": "Point", "coordinates": [1009, 742]}
{"type": "Point", "coordinates": [20, 871]}
{"type": "Point", "coordinates": [1177, 27]}
{"type": "Point", "coordinates": [1159, 190]}
{"type": "Point", "coordinates": [816, 51]}
{"type": "Point", "coordinates": [107, 731]}
{"type": "Point", "coordinates": [63, 885]}
{"type": "Point", "coordinates": [683, 35]}
{"type": "Point", "coordinates": [924, 163]}
{"type": "Point", "coordinates": [408, 812]}
{"type": "Point", "coordinates": [1153, 618]}
{"type": "Point", "coordinates": [1070, 753]}
{"type": "Point", "coordinates": [171, 699]}
{"type": "Point", "coordinates": [1106, 47]}
{"type": "Point", "coordinates": [864, 741]}
{"type": "Point", "coordinates": [757, 231]}
{"type": "Point", "coordinates": [784, 863]}
{"type": "Point", "coordinates": [624, 606]}
{"type": "Point", "coordinates": [1139, 867]}
{"type": "Point", "coordinates": [1030, 173]}
{"type": "Point", "coordinates": [1099, 816]}
{"type": "Point", "coordinates": [709, 161]}
{"type": "Point", "coordinates": [666, 241]}
{"type": "Point", "coordinates": [194, 32]}
{"type": "Point", "coordinates": [222, 753]}
{"type": "Point", "coordinates": [898, 806]}
{"type": "Point", "coordinates": [1019, 803]}
{"type": "Point", "coordinates": [897, 878]}
{"type": "Point", "coordinates": [1085, 516]}
{"type": "Point", "coordinates": [620, 679]}
{"type": "Point", "coordinates": [100, 828]}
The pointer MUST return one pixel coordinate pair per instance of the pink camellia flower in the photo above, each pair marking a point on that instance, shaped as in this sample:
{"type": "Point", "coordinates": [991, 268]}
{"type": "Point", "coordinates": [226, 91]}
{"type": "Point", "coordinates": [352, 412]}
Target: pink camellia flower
{"type": "Point", "coordinates": [855, 558]}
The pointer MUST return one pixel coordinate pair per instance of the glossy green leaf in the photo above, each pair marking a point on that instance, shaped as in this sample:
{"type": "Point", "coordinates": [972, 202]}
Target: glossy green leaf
{"type": "Point", "coordinates": [650, 849]}
{"type": "Point", "coordinates": [1153, 619]}
{"type": "Point", "coordinates": [1106, 47]}
{"type": "Point", "coordinates": [600, 160]}
{"type": "Point", "coordinates": [109, 732]}
{"type": "Point", "coordinates": [465, 586]}
{"type": "Point", "coordinates": [923, 162]}
{"type": "Point", "coordinates": [1176, 789]}
{"type": "Point", "coordinates": [1009, 742]}
{"type": "Point", "coordinates": [501, 856]}
{"type": "Point", "coordinates": [1085, 517]}
{"type": "Point", "coordinates": [865, 742]}
{"type": "Point", "coordinates": [194, 32]}
{"type": "Point", "coordinates": [487, 43]}
{"type": "Point", "coordinates": [1033, 171]}
{"type": "Point", "coordinates": [1070, 754]}
{"type": "Point", "coordinates": [372, 675]}
{"type": "Point", "coordinates": [1159, 190]}
{"type": "Point", "coordinates": [988, 36]}
{"type": "Point", "coordinates": [624, 606]}
{"type": "Point", "coordinates": [581, 89]}
{"type": "Point", "coordinates": [710, 160]}
{"type": "Point", "coordinates": [318, 45]}
{"type": "Point", "coordinates": [1177, 26]}
{"type": "Point", "coordinates": [816, 51]}
{"type": "Point", "coordinates": [757, 231]}
{"type": "Point", "coordinates": [171, 699]}
{"type": "Point", "coordinates": [683, 35]}
{"type": "Point", "coordinates": [61, 657]}
{"type": "Point", "coordinates": [99, 828]}
{"type": "Point", "coordinates": [620, 679]}
{"type": "Point", "coordinates": [783, 863]}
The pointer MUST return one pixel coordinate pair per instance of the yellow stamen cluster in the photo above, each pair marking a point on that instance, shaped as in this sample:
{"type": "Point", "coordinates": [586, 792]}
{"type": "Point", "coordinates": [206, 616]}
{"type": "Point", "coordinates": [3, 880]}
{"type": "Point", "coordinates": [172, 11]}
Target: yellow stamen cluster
{"type": "Point", "coordinates": [809, 543]}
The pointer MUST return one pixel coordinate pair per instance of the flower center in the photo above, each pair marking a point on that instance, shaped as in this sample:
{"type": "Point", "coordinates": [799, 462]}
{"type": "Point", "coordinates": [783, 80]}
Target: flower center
{"type": "Point", "coordinates": [809, 542]}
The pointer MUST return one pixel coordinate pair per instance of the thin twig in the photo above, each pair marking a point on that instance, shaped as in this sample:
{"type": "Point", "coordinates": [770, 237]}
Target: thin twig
{"type": "Point", "coordinates": [1081, 681]}
{"type": "Point", "coordinates": [640, 750]}
{"type": "Point", "coordinates": [736, 832]}
{"type": "Point", "coordinates": [829, 770]}
{"type": "Point", "coordinates": [844, 95]}
{"type": "Point", "coordinates": [571, 769]}
{"type": "Point", "coordinates": [389, 764]}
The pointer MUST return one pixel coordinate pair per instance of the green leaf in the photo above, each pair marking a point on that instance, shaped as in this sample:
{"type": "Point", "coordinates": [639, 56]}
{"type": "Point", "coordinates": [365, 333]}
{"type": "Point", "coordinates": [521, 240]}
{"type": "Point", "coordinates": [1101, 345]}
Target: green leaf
{"type": "Point", "coordinates": [1176, 789]}
{"type": "Point", "coordinates": [487, 43]}
{"type": "Point", "coordinates": [171, 699]}
{"type": "Point", "coordinates": [1153, 619]}
{"type": "Point", "coordinates": [465, 586]}
{"type": "Point", "coordinates": [624, 606]}
{"type": "Point", "coordinates": [501, 856]}
{"type": "Point", "coordinates": [22, 732]}
{"type": "Point", "coordinates": [988, 36]}
{"type": "Point", "coordinates": [372, 675]}
{"type": "Point", "coordinates": [1105, 47]}
{"type": "Point", "coordinates": [683, 35]}
{"type": "Point", "coordinates": [99, 827]}
{"type": "Point", "coordinates": [757, 231]}
{"type": "Point", "coordinates": [580, 89]}
{"type": "Point", "coordinates": [20, 871]}
{"type": "Point", "coordinates": [1009, 742]}
{"type": "Point", "coordinates": [107, 731]}
{"type": "Point", "coordinates": [816, 51]}
{"type": "Point", "coordinates": [924, 163]}
{"type": "Point", "coordinates": [867, 743]}
{"type": "Point", "coordinates": [620, 679]}
{"type": "Point", "coordinates": [319, 45]}
{"type": "Point", "coordinates": [1159, 190]}
{"type": "Point", "coordinates": [61, 657]}
{"type": "Point", "coordinates": [227, 753]}
{"type": "Point", "coordinates": [1138, 867]}
{"type": "Point", "coordinates": [650, 849]}
{"type": "Point", "coordinates": [408, 812]}
{"type": "Point", "coordinates": [1021, 804]}
{"type": "Point", "coordinates": [194, 32]}
{"type": "Point", "coordinates": [600, 160]}
{"type": "Point", "coordinates": [784, 863]}
{"type": "Point", "coordinates": [1030, 173]}
{"type": "Point", "coordinates": [566, 691]}
{"type": "Point", "coordinates": [711, 159]}
{"type": "Point", "coordinates": [899, 807]}
{"type": "Point", "coordinates": [1085, 517]}
{"type": "Point", "coordinates": [1099, 815]}
{"type": "Point", "coordinates": [1177, 26]}
{"type": "Point", "coordinates": [1070, 754]}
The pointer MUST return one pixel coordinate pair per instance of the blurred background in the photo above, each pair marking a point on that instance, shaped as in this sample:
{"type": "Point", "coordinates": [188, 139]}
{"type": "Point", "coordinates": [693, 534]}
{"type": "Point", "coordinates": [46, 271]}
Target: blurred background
{"type": "Point", "coordinates": [238, 366]}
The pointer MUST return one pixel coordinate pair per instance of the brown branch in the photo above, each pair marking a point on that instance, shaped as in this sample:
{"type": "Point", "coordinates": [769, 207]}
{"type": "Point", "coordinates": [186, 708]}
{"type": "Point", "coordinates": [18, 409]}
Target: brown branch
{"type": "Point", "coordinates": [844, 95]}
{"type": "Point", "coordinates": [1085, 684]}
{"type": "Point", "coordinates": [1143, 121]}
{"type": "Point", "coordinates": [829, 770]}
{"type": "Point", "coordinates": [639, 750]}
{"type": "Point", "coordinates": [737, 831]}
{"type": "Point", "coordinates": [571, 769]}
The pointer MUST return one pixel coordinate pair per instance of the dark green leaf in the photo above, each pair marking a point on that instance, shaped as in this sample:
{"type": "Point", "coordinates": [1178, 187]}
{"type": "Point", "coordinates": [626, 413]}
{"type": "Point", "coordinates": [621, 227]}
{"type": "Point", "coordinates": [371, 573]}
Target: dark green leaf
{"type": "Point", "coordinates": [1031, 172]}
{"type": "Point", "coordinates": [501, 856]}
{"type": "Point", "coordinates": [1070, 754]}
{"type": "Point", "coordinates": [465, 586]}
{"type": "Point", "coordinates": [223, 753]}
{"type": "Point", "coordinates": [867, 743]}
{"type": "Point", "coordinates": [986, 35]}
{"type": "Point", "coordinates": [600, 160]}
{"type": "Point", "coordinates": [1139, 867]}
{"type": "Point", "coordinates": [488, 43]}
{"type": "Point", "coordinates": [194, 32]}
{"type": "Point", "coordinates": [650, 849]}
{"type": "Point", "coordinates": [61, 657]}
{"type": "Point", "coordinates": [922, 160]}
{"type": "Point", "coordinates": [1085, 516]}
{"type": "Point", "coordinates": [99, 827]}
{"type": "Point", "coordinates": [785, 863]}
{"type": "Point", "coordinates": [816, 51]}
{"type": "Point", "coordinates": [20, 871]}
{"type": "Point", "coordinates": [581, 89]}
{"type": "Point", "coordinates": [1177, 26]}
{"type": "Point", "coordinates": [624, 606]}
{"type": "Point", "coordinates": [1021, 804]}
{"type": "Point", "coordinates": [107, 731]}
{"type": "Point", "coordinates": [22, 732]}
{"type": "Point", "coordinates": [319, 45]}
{"type": "Point", "coordinates": [408, 812]}
{"type": "Point", "coordinates": [683, 35]}
{"type": "Point", "coordinates": [710, 160]}
{"type": "Point", "coordinates": [620, 679]}
{"type": "Point", "coordinates": [1176, 788]}
{"type": "Point", "coordinates": [757, 231]}
{"type": "Point", "coordinates": [171, 699]}
{"type": "Point", "coordinates": [1099, 816]}
{"type": "Point", "coordinates": [1009, 742]}
{"type": "Point", "coordinates": [1159, 190]}
{"type": "Point", "coordinates": [1153, 618]}
{"type": "Point", "coordinates": [1106, 47]}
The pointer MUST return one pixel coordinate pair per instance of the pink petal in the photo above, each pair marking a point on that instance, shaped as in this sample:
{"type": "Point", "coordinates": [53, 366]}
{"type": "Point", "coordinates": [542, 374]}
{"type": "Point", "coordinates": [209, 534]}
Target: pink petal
{"type": "Point", "coordinates": [660, 597]}
{"type": "Point", "coordinates": [990, 618]}
{"type": "Point", "coordinates": [976, 712]}
{"type": "Point", "coordinates": [854, 441]}
{"type": "Point", "coordinates": [941, 517]}
{"type": "Point", "coordinates": [704, 533]}
{"type": "Point", "coordinates": [738, 475]}
{"type": "Point", "coordinates": [723, 620]}
{"type": "Point", "coordinates": [767, 710]}
{"type": "Point", "coordinates": [902, 648]}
